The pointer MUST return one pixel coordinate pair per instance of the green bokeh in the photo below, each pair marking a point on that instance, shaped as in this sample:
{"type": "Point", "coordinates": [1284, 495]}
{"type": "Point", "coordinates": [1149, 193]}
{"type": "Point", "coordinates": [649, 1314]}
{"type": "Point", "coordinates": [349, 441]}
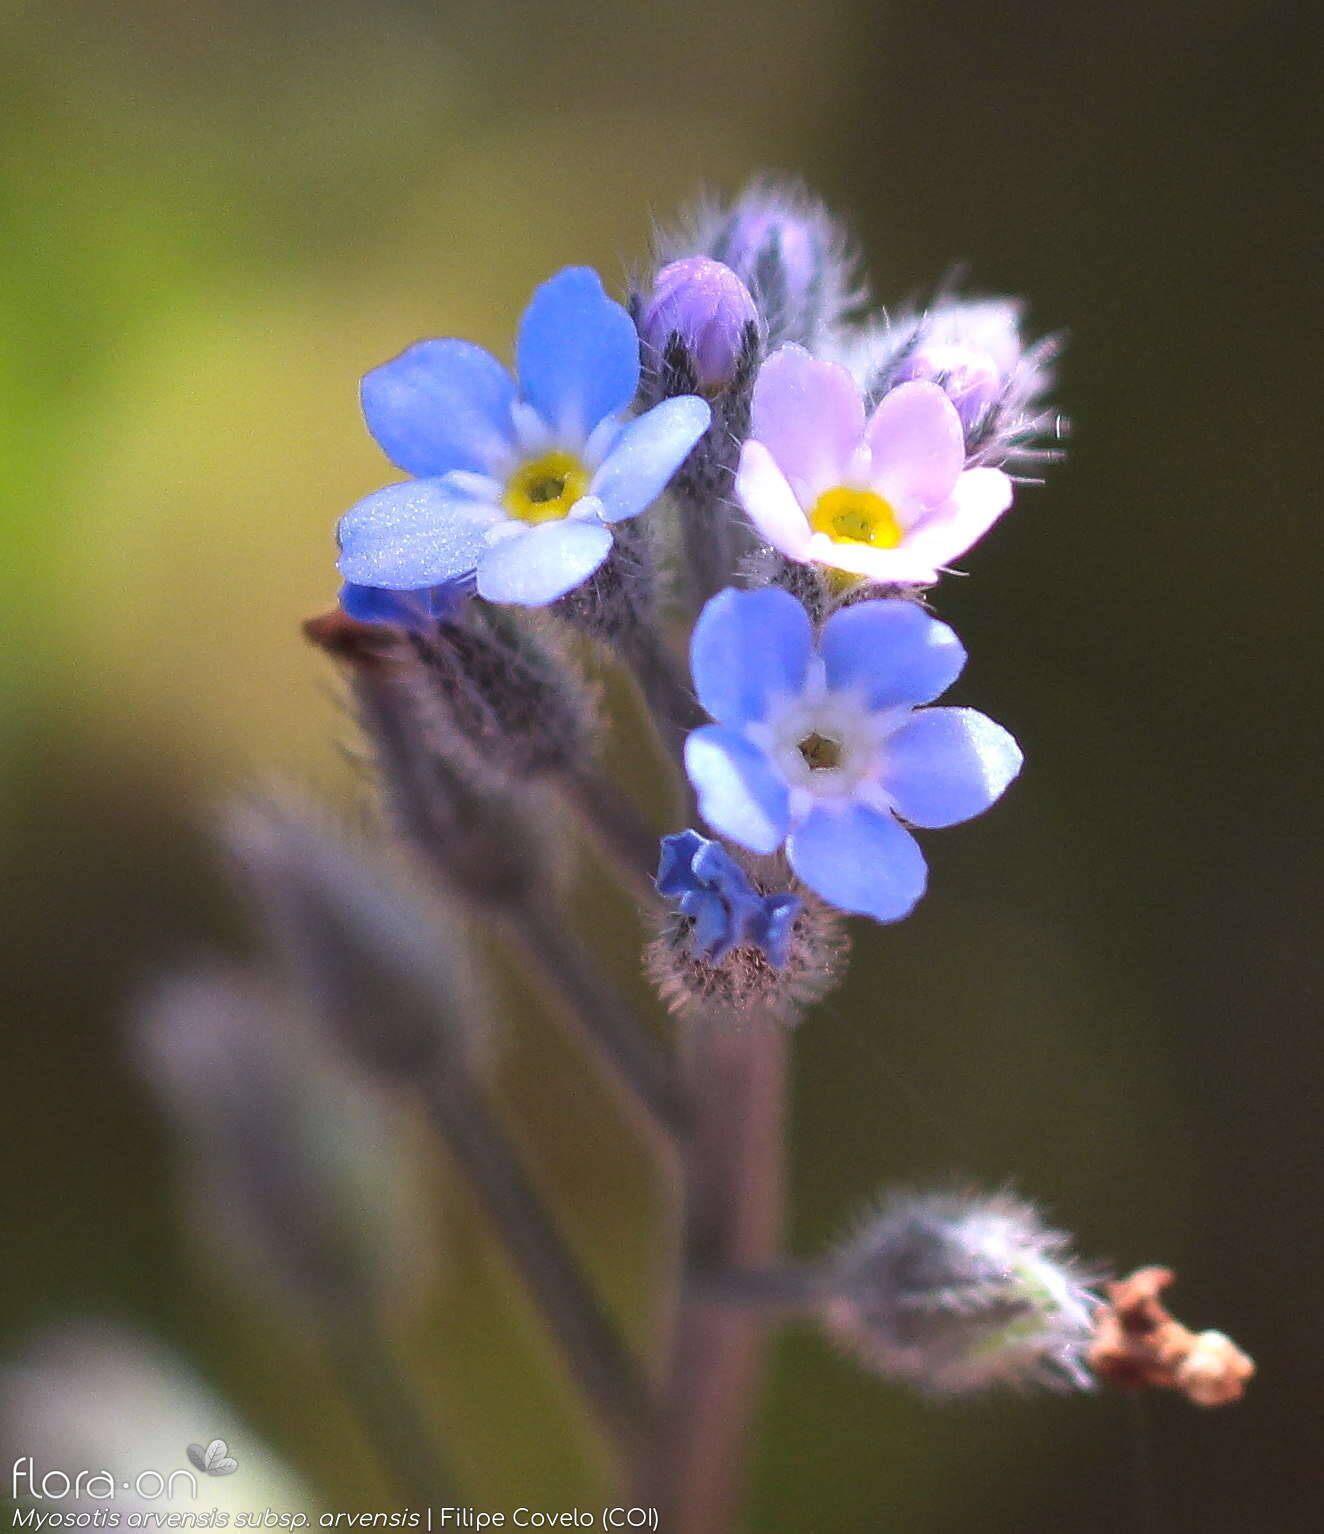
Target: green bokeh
{"type": "Point", "coordinates": [216, 216]}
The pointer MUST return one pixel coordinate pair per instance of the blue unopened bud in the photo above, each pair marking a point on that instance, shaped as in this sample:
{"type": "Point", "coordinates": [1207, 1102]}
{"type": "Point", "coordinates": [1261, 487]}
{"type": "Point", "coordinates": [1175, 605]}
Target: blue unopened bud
{"type": "Point", "coordinates": [703, 307]}
{"type": "Point", "coordinates": [955, 1293]}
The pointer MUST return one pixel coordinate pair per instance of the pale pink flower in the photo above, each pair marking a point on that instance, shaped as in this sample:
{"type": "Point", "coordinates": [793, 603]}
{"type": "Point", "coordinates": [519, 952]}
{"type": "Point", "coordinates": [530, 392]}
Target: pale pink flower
{"type": "Point", "coordinates": [888, 498]}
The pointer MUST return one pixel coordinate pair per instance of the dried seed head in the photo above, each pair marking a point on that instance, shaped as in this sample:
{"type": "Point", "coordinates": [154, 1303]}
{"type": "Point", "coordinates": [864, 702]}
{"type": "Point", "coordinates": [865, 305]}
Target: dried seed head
{"type": "Point", "coordinates": [1138, 1342]}
{"type": "Point", "coordinates": [501, 696]}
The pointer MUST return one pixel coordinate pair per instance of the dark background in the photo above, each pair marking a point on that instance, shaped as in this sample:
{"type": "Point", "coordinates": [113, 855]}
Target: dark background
{"type": "Point", "coordinates": [215, 217]}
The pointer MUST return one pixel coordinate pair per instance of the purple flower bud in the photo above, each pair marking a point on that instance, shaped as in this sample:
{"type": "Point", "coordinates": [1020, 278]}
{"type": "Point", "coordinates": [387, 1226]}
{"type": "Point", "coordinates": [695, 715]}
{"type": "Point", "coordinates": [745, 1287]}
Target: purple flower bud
{"type": "Point", "coordinates": [709, 308]}
{"type": "Point", "coordinates": [773, 232]}
{"type": "Point", "coordinates": [791, 255]}
{"type": "Point", "coordinates": [972, 351]}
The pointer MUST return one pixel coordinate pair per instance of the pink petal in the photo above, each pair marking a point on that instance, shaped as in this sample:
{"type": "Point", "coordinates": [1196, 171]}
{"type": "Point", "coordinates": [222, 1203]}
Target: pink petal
{"type": "Point", "coordinates": [917, 443]}
{"type": "Point", "coordinates": [810, 416]}
{"type": "Point", "coordinates": [978, 499]}
{"type": "Point", "coordinates": [769, 502]}
{"type": "Point", "coordinates": [898, 564]}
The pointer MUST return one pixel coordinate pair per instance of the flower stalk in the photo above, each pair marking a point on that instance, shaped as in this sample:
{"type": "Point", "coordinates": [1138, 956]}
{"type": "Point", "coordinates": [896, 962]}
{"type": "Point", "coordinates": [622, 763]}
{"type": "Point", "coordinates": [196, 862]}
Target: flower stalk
{"type": "Point", "coordinates": [612, 1384]}
{"type": "Point", "coordinates": [733, 1218]}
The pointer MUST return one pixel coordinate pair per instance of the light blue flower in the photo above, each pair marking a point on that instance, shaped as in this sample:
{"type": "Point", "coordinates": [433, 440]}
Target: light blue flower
{"type": "Point", "coordinates": [708, 884]}
{"type": "Point", "coordinates": [820, 747]}
{"type": "Point", "coordinates": [520, 485]}
{"type": "Point", "coordinates": [418, 610]}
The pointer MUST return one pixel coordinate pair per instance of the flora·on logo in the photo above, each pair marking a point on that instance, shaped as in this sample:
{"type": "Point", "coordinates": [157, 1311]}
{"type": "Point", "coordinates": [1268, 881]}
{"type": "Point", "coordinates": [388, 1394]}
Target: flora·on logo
{"type": "Point", "coordinates": [215, 1459]}
{"type": "Point", "coordinates": [30, 1484]}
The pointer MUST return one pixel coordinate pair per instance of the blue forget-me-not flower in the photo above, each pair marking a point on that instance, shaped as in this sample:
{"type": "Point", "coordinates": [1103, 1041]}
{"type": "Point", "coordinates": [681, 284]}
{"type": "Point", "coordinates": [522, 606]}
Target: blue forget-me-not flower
{"type": "Point", "coordinates": [518, 484]}
{"type": "Point", "coordinates": [819, 746]}
{"type": "Point", "coordinates": [708, 885]}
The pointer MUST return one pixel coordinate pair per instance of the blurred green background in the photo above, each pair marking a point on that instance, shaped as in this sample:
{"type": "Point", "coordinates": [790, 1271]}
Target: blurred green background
{"type": "Point", "coordinates": [216, 216]}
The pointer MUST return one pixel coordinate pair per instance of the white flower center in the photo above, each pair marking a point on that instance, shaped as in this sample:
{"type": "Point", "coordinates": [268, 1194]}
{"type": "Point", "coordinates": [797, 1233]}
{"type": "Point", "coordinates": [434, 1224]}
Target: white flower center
{"type": "Point", "coordinates": [828, 746]}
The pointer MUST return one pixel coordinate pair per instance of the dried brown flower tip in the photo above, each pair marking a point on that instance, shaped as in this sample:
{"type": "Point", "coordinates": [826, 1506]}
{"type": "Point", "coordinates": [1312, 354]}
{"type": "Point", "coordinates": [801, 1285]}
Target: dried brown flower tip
{"type": "Point", "coordinates": [347, 639]}
{"type": "Point", "coordinates": [1138, 1343]}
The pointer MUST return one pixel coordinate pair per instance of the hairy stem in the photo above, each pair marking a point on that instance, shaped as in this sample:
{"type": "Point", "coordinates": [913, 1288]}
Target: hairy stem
{"type": "Point", "coordinates": [602, 1366]}
{"type": "Point", "coordinates": [733, 1219]}
{"type": "Point", "coordinates": [470, 842]}
{"type": "Point", "coordinates": [716, 539]}
{"type": "Point", "coordinates": [666, 690]}
{"type": "Point", "coordinates": [607, 1021]}
{"type": "Point", "coordinates": [788, 1288]}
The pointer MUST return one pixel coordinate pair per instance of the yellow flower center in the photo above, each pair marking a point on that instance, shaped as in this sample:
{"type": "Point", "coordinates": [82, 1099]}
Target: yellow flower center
{"type": "Point", "coordinates": [545, 489]}
{"type": "Point", "coordinates": [856, 516]}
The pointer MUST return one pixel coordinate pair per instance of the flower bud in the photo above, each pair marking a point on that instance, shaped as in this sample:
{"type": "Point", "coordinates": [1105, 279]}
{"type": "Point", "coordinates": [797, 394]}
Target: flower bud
{"type": "Point", "coordinates": [792, 256]}
{"type": "Point", "coordinates": [976, 354]}
{"type": "Point", "coordinates": [971, 351]}
{"type": "Point", "coordinates": [955, 1293]}
{"type": "Point", "coordinates": [703, 307]}
{"type": "Point", "coordinates": [702, 331]}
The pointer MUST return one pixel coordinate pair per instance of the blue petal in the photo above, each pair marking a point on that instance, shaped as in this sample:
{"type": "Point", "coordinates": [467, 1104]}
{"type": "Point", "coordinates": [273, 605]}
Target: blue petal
{"type": "Point", "coordinates": [676, 861]}
{"type": "Point", "coordinates": [420, 533]}
{"type": "Point", "coordinates": [946, 764]}
{"type": "Point", "coordinates": [535, 568]}
{"type": "Point", "coordinates": [716, 932]}
{"type": "Point", "coordinates": [727, 911]}
{"type": "Point", "coordinates": [779, 921]}
{"type": "Point", "coordinates": [439, 406]}
{"type": "Point", "coordinates": [646, 454]}
{"type": "Point", "coordinates": [859, 860]}
{"type": "Point", "coordinates": [740, 793]}
{"type": "Point", "coordinates": [578, 353]}
{"type": "Point", "coordinates": [405, 609]}
{"type": "Point", "coordinates": [748, 646]}
{"type": "Point", "coordinates": [893, 652]}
